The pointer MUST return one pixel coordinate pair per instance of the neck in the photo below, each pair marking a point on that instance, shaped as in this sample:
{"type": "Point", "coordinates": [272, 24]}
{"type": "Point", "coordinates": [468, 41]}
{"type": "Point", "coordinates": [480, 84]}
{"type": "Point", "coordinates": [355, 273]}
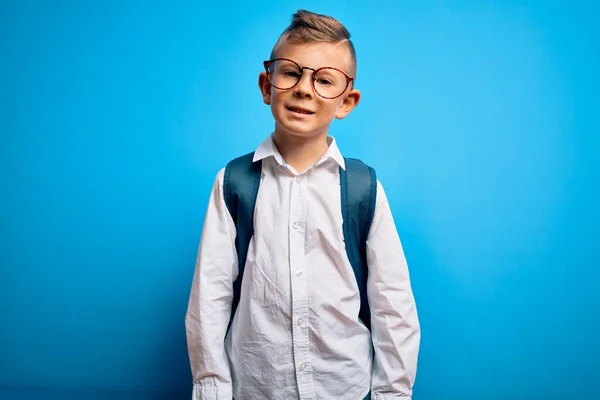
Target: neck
{"type": "Point", "coordinates": [301, 152]}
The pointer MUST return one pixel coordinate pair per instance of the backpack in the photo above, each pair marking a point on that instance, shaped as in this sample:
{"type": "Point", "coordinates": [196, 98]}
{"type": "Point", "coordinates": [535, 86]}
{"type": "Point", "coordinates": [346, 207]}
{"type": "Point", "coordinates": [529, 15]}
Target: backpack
{"type": "Point", "coordinates": [358, 185]}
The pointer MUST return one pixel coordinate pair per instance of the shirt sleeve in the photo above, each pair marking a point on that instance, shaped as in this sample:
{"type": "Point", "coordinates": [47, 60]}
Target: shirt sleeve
{"type": "Point", "coordinates": [394, 323]}
{"type": "Point", "coordinates": [209, 306]}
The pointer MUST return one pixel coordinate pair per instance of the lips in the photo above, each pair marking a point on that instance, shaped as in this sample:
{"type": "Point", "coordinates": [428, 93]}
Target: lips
{"type": "Point", "coordinates": [300, 110]}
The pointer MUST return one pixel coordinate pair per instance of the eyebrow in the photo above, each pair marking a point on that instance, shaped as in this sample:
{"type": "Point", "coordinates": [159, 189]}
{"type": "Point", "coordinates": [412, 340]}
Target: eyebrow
{"type": "Point", "coordinates": [323, 66]}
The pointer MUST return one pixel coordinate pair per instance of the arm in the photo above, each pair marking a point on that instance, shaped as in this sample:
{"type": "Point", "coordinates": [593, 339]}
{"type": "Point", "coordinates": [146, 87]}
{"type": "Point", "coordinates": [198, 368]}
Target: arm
{"type": "Point", "coordinates": [209, 304]}
{"type": "Point", "coordinates": [394, 323]}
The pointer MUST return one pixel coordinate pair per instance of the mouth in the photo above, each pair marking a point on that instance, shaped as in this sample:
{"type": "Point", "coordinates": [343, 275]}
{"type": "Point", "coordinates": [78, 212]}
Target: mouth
{"type": "Point", "coordinates": [300, 110]}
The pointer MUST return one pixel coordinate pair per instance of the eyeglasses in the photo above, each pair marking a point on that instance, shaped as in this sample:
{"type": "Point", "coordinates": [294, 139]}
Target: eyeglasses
{"type": "Point", "coordinates": [328, 82]}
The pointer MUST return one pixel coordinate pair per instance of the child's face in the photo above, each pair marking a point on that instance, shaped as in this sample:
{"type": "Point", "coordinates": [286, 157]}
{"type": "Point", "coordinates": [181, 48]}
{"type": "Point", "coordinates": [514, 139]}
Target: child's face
{"type": "Point", "coordinates": [316, 112]}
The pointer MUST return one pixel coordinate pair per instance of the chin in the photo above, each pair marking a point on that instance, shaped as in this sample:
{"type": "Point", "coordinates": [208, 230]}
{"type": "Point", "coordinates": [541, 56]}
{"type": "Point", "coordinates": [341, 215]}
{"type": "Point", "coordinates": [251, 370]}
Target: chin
{"type": "Point", "coordinates": [300, 128]}
{"type": "Point", "coordinates": [299, 131]}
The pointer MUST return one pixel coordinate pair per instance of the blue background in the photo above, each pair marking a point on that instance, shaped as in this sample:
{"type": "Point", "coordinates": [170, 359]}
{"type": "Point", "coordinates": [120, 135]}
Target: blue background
{"type": "Point", "coordinates": [481, 118]}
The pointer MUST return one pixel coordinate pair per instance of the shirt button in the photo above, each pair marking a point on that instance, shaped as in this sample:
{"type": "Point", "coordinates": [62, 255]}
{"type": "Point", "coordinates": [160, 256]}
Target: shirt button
{"type": "Point", "coordinates": [298, 273]}
{"type": "Point", "coordinates": [297, 224]}
{"type": "Point", "coordinates": [298, 179]}
{"type": "Point", "coordinates": [300, 321]}
{"type": "Point", "coordinates": [302, 367]}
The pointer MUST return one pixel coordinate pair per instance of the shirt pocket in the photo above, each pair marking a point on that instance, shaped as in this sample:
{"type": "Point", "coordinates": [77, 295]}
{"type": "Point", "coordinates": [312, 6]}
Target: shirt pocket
{"type": "Point", "coordinates": [328, 240]}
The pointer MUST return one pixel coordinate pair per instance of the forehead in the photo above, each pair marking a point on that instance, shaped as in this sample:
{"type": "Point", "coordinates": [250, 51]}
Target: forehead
{"type": "Point", "coordinates": [318, 54]}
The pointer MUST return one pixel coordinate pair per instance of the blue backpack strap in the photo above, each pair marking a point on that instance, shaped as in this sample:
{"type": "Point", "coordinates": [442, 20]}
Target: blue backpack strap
{"type": "Point", "coordinates": [358, 185]}
{"type": "Point", "coordinates": [240, 188]}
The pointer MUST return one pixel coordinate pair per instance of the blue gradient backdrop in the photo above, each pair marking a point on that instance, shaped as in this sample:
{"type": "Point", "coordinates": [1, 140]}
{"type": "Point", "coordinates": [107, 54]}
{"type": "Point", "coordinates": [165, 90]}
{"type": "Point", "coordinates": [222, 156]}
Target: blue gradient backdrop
{"type": "Point", "coordinates": [482, 119]}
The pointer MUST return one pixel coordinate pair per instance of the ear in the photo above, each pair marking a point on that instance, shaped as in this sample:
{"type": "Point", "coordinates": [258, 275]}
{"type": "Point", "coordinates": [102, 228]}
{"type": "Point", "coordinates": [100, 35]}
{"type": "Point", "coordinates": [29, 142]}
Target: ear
{"type": "Point", "coordinates": [265, 87]}
{"type": "Point", "coordinates": [350, 101]}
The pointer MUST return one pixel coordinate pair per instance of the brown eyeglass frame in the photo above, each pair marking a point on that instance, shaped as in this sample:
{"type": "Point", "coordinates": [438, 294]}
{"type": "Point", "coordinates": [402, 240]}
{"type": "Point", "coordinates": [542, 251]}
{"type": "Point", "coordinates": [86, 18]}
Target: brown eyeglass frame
{"type": "Point", "coordinates": [268, 63]}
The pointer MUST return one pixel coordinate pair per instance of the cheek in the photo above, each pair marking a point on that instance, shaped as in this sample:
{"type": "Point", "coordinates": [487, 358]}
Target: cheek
{"type": "Point", "coordinates": [331, 107]}
{"type": "Point", "coordinates": [277, 98]}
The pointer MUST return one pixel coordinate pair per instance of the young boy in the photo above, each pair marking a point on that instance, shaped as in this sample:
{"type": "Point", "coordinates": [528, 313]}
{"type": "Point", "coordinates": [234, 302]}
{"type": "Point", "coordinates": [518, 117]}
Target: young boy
{"type": "Point", "coordinates": [296, 333]}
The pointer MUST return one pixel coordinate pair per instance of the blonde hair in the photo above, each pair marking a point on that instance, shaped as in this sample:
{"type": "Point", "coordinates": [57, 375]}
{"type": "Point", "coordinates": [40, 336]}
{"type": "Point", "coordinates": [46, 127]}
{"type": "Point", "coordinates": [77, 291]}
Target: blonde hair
{"type": "Point", "coordinates": [309, 27]}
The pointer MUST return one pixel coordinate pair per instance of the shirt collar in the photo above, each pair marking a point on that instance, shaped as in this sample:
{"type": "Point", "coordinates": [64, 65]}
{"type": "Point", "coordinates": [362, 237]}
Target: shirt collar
{"type": "Point", "coordinates": [268, 149]}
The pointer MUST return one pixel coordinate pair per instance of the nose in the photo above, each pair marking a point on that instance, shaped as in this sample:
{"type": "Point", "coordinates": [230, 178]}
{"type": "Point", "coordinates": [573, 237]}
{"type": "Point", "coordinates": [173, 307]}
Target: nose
{"type": "Point", "coordinates": [304, 87]}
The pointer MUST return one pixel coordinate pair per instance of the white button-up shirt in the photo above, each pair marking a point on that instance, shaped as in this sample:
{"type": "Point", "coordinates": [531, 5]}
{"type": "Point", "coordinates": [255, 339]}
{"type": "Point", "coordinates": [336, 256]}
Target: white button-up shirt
{"type": "Point", "coordinates": [296, 333]}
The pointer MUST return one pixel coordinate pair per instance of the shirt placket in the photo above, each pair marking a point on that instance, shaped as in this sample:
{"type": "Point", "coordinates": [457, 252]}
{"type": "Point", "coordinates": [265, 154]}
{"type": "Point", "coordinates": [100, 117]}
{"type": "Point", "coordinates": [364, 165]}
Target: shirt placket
{"type": "Point", "coordinates": [297, 235]}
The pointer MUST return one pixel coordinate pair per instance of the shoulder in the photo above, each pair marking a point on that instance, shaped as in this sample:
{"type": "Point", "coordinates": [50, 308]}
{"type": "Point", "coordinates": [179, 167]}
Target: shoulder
{"type": "Point", "coordinates": [360, 172]}
{"type": "Point", "coordinates": [247, 158]}
{"type": "Point", "coordinates": [236, 162]}
{"type": "Point", "coordinates": [220, 175]}
{"type": "Point", "coordinates": [356, 162]}
{"type": "Point", "coordinates": [218, 181]}
{"type": "Point", "coordinates": [360, 164]}
{"type": "Point", "coordinates": [241, 167]}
